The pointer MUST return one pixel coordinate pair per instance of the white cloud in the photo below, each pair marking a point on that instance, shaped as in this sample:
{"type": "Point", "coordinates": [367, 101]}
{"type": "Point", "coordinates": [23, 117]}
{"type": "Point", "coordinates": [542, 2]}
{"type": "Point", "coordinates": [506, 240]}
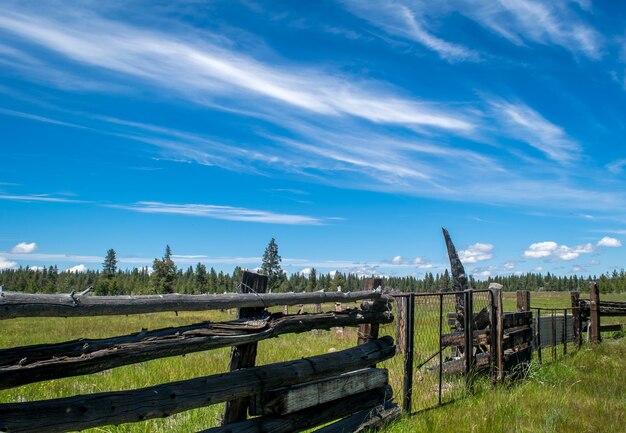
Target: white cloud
{"type": "Point", "coordinates": [477, 252]}
{"type": "Point", "coordinates": [525, 124]}
{"type": "Point", "coordinates": [204, 69]}
{"type": "Point", "coordinates": [609, 242]}
{"type": "Point", "coordinates": [38, 197]}
{"type": "Point", "coordinates": [616, 167]}
{"type": "Point", "coordinates": [221, 212]}
{"type": "Point", "coordinates": [36, 268]}
{"type": "Point", "coordinates": [406, 21]}
{"type": "Point", "coordinates": [305, 272]}
{"type": "Point", "coordinates": [24, 248]}
{"type": "Point", "coordinates": [6, 264]}
{"type": "Point", "coordinates": [540, 249]}
{"type": "Point", "coordinates": [510, 265]}
{"type": "Point", "coordinates": [559, 252]}
{"type": "Point", "coordinates": [397, 260]}
{"type": "Point", "coordinates": [77, 269]}
{"type": "Point", "coordinates": [547, 23]}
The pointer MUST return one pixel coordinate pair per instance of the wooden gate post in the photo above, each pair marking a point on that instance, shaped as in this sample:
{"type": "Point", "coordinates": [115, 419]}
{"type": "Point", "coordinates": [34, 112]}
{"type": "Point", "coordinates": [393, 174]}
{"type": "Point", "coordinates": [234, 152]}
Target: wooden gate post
{"type": "Point", "coordinates": [244, 355]}
{"type": "Point", "coordinates": [368, 331]}
{"type": "Point", "coordinates": [468, 316]}
{"type": "Point", "coordinates": [400, 322]}
{"type": "Point", "coordinates": [594, 300]}
{"type": "Point", "coordinates": [408, 354]}
{"type": "Point", "coordinates": [577, 322]}
{"type": "Point", "coordinates": [523, 300]}
{"type": "Point", "coordinates": [499, 334]}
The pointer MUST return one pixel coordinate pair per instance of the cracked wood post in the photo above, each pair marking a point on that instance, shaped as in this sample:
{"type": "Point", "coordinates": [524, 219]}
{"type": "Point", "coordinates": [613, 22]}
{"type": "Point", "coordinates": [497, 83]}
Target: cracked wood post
{"type": "Point", "coordinates": [369, 332]}
{"type": "Point", "coordinates": [594, 301]}
{"type": "Point", "coordinates": [244, 355]}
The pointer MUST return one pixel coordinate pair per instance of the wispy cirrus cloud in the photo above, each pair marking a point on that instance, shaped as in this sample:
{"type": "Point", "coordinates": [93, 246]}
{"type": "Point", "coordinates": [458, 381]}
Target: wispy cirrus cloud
{"type": "Point", "coordinates": [407, 20]}
{"type": "Point", "coordinates": [520, 22]}
{"type": "Point", "coordinates": [221, 212]}
{"type": "Point", "coordinates": [204, 71]}
{"type": "Point", "coordinates": [527, 125]}
{"type": "Point", "coordinates": [49, 198]}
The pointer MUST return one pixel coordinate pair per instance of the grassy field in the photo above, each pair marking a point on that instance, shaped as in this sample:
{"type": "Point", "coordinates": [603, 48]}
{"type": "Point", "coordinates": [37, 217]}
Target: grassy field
{"type": "Point", "coordinates": [583, 393]}
{"type": "Point", "coordinates": [18, 332]}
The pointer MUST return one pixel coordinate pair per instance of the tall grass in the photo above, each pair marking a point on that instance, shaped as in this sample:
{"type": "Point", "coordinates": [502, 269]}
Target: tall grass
{"type": "Point", "coordinates": [550, 387]}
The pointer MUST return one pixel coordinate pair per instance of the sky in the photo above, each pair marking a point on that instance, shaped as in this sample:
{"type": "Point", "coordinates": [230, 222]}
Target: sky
{"type": "Point", "coordinates": [350, 131]}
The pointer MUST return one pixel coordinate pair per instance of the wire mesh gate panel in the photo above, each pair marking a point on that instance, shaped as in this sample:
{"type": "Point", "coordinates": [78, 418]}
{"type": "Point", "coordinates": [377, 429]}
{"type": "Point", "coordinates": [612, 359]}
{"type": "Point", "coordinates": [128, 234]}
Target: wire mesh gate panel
{"type": "Point", "coordinates": [432, 332]}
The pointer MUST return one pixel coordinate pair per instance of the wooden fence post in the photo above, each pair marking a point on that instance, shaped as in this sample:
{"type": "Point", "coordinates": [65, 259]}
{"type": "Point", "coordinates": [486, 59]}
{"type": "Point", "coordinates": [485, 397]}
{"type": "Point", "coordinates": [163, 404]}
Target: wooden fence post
{"type": "Point", "coordinates": [468, 316]}
{"type": "Point", "coordinates": [244, 355]}
{"type": "Point", "coordinates": [339, 329]}
{"type": "Point", "coordinates": [594, 300]}
{"type": "Point", "coordinates": [538, 336]}
{"type": "Point", "coordinates": [400, 322]}
{"type": "Point", "coordinates": [500, 335]}
{"type": "Point", "coordinates": [523, 300]}
{"type": "Point", "coordinates": [369, 332]}
{"type": "Point", "coordinates": [577, 322]}
{"type": "Point", "coordinates": [408, 354]}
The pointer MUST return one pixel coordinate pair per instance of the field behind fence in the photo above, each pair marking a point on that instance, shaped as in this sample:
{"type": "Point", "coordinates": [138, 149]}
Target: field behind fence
{"type": "Point", "coordinates": [27, 331]}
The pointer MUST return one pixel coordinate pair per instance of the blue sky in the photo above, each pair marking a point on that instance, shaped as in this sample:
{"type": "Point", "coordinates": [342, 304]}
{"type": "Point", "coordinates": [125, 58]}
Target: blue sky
{"type": "Point", "coordinates": [351, 131]}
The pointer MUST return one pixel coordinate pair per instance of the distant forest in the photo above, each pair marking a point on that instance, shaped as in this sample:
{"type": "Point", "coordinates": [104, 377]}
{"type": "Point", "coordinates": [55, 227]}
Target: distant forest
{"type": "Point", "coordinates": [198, 279]}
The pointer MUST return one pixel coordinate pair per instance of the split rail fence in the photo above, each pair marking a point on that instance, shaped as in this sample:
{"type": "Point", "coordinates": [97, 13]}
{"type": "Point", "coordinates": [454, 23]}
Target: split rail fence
{"type": "Point", "coordinates": [283, 397]}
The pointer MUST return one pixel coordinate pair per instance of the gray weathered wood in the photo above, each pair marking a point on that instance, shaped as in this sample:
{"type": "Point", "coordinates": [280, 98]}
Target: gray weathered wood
{"type": "Point", "coordinates": [366, 420]}
{"type": "Point", "coordinates": [244, 355]}
{"type": "Point", "coordinates": [511, 320]}
{"type": "Point", "coordinates": [523, 300]}
{"type": "Point", "coordinates": [457, 366]}
{"type": "Point", "coordinates": [310, 417]}
{"type": "Point", "coordinates": [367, 331]}
{"type": "Point", "coordinates": [594, 302]}
{"type": "Point", "coordinates": [92, 410]}
{"type": "Point", "coordinates": [283, 401]}
{"type": "Point", "coordinates": [480, 337]}
{"type": "Point", "coordinates": [459, 278]}
{"type": "Point", "coordinates": [14, 304]}
{"type": "Point", "coordinates": [22, 365]}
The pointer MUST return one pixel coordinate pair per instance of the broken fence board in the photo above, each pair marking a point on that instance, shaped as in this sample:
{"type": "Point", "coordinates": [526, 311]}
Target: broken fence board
{"type": "Point", "coordinates": [480, 337]}
{"type": "Point", "coordinates": [283, 401]}
{"type": "Point", "coordinates": [28, 364]}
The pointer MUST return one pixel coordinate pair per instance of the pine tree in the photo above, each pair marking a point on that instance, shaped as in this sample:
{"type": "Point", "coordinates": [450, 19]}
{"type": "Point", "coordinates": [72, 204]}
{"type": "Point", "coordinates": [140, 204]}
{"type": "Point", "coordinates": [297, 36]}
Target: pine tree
{"type": "Point", "coordinates": [164, 273]}
{"type": "Point", "coordinates": [271, 266]}
{"type": "Point", "coordinates": [201, 278]}
{"type": "Point", "coordinates": [109, 266]}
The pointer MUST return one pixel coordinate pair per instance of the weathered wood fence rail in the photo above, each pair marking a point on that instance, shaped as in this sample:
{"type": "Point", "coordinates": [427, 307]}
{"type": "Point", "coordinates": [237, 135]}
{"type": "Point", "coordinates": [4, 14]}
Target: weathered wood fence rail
{"type": "Point", "coordinates": [286, 396]}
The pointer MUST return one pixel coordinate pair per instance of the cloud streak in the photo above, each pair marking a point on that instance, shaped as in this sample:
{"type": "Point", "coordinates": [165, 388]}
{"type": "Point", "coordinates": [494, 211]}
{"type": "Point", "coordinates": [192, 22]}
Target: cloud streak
{"type": "Point", "coordinates": [203, 70]}
{"type": "Point", "coordinates": [221, 212]}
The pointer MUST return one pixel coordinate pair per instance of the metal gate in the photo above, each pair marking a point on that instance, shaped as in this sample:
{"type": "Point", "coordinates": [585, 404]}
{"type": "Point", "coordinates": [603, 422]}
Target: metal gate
{"type": "Point", "coordinates": [433, 331]}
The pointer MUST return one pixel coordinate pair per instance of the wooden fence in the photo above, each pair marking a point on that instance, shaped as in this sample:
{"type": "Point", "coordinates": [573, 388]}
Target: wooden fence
{"type": "Point", "coordinates": [592, 310]}
{"type": "Point", "coordinates": [283, 397]}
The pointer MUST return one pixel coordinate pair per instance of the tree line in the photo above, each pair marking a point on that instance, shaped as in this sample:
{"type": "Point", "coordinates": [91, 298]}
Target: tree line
{"type": "Point", "coordinates": [166, 277]}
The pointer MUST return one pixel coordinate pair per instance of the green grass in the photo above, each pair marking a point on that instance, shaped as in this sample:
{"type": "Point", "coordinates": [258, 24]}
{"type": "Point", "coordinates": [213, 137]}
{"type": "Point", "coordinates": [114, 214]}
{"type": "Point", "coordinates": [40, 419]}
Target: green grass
{"type": "Point", "coordinates": [585, 392]}
{"type": "Point", "coordinates": [556, 377]}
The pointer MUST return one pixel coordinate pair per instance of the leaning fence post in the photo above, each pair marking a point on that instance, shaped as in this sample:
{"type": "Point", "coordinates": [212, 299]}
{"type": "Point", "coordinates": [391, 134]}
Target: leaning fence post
{"type": "Point", "coordinates": [244, 355]}
{"type": "Point", "coordinates": [577, 322]}
{"type": "Point", "coordinates": [594, 300]}
{"type": "Point", "coordinates": [408, 354]}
